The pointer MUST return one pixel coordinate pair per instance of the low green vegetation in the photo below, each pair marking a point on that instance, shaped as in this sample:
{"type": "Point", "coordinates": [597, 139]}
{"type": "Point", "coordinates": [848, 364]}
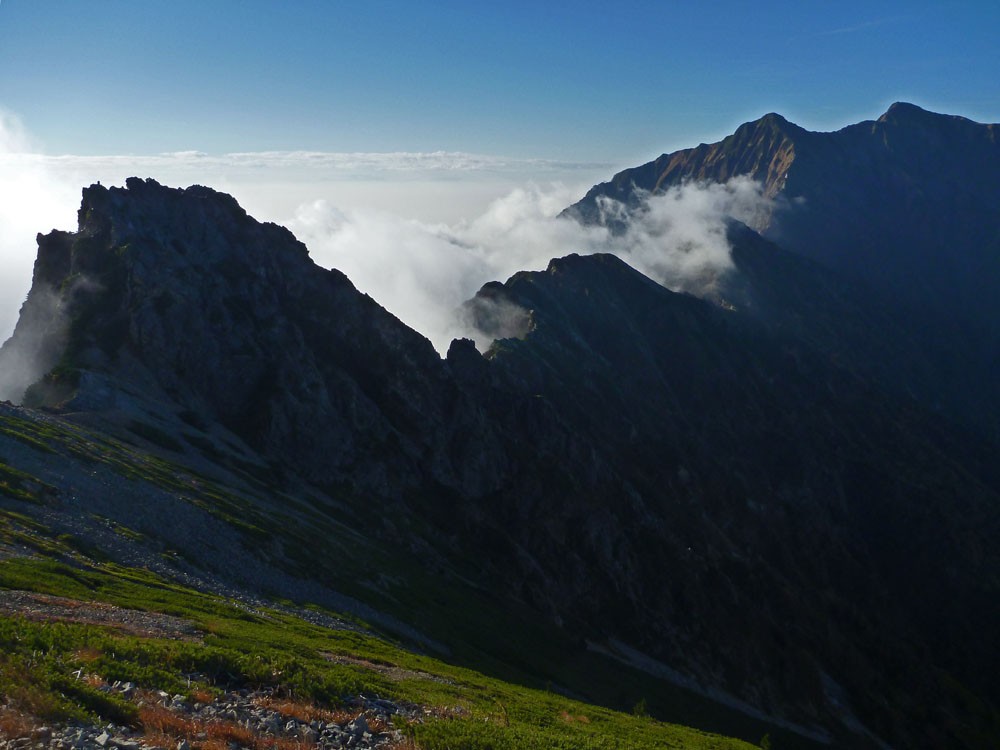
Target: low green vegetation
{"type": "Point", "coordinates": [236, 646]}
{"type": "Point", "coordinates": [21, 486]}
{"type": "Point", "coordinates": [132, 463]}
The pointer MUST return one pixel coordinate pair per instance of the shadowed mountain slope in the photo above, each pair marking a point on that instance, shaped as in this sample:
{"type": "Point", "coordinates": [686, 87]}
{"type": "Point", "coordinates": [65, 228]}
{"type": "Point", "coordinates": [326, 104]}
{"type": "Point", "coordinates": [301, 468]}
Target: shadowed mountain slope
{"type": "Point", "coordinates": [903, 209]}
{"type": "Point", "coordinates": [738, 497]}
{"type": "Point", "coordinates": [765, 487]}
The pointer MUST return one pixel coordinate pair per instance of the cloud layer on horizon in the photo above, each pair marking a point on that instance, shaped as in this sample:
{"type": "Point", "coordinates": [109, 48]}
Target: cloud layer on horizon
{"type": "Point", "coordinates": [312, 163]}
{"type": "Point", "coordinates": [40, 192]}
{"type": "Point", "coordinates": [423, 272]}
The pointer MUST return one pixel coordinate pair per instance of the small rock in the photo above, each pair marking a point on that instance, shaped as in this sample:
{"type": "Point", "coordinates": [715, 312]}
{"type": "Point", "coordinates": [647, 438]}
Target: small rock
{"type": "Point", "coordinates": [102, 739]}
{"type": "Point", "coordinates": [358, 726]}
{"type": "Point", "coordinates": [273, 723]}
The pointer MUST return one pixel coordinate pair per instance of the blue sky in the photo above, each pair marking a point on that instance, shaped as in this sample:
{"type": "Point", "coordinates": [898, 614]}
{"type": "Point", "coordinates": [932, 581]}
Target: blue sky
{"type": "Point", "coordinates": [581, 81]}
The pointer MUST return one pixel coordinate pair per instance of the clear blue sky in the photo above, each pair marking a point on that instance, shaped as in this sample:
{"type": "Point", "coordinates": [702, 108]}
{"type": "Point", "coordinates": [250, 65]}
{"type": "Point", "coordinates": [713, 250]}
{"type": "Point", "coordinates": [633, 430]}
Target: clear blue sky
{"type": "Point", "coordinates": [598, 81]}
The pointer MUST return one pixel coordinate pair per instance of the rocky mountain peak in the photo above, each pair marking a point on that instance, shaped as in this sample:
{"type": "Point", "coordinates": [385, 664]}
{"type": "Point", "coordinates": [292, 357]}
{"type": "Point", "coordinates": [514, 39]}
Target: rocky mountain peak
{"type": "Point", "coordinates": [176, 301]}
{"type": "Point", "coordinates": [907, 115]}
{"type": "Point", "coordinates": [878, 200]}
{"type": "Point", "coordinates": [905, 112]}
{"type": "Point", "coordinates": [774, 123]}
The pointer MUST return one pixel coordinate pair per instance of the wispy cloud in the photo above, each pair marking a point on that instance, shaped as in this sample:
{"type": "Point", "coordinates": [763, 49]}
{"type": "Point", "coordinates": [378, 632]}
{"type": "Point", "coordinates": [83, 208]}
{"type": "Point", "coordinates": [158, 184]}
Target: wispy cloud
{"type": "Point", "coordinates": [864, 26]}
{"type": "Point", "coordinates": [327, 163]}
{"type": "Point", "coordinates": [423, 272]}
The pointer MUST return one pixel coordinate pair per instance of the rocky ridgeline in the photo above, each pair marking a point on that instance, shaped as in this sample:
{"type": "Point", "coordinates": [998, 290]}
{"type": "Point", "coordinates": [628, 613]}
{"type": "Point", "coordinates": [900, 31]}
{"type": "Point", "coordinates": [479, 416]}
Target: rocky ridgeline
{"type": "Point", "coordinates": [252, 719]}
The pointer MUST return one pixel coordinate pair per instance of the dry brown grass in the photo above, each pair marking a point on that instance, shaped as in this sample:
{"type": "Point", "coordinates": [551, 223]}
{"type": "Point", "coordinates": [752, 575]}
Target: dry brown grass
{"type": "Point", "coordinates": [378, 724]}
{"type": "Point", "coordinates": [164, 721]}
{"type": "Point", "coordinates": [164, 727]}
{"type": "Point", "coordinates": [228, 731]}
{"type": "Point", "coordinates": [87, 654]}
{"type": "Point", "coordinates": [304, 711]}
{"type": "Point", "coordinates": [221, 733]}
{"type": "Point", "coordinates": [14, 724]}
{"type": "Point", "coordinates": [94, 680]}
{"type": "Point", "coordinates": [202, 696]}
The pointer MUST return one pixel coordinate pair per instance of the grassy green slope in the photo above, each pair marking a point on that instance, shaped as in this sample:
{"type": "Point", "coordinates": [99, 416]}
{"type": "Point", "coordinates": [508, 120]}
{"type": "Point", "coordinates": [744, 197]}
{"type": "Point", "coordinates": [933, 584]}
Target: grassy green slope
{"type": "Point", "coordinates": [272, 648]}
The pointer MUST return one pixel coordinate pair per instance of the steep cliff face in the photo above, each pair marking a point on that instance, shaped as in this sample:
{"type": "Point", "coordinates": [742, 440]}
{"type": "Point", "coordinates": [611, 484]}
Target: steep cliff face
{"type": "Point", "coordinates": [764, 149]}
{"type": "Point", "coordinates": [179, 298]}
{"type": "Point", "coordinates": [737, 495]}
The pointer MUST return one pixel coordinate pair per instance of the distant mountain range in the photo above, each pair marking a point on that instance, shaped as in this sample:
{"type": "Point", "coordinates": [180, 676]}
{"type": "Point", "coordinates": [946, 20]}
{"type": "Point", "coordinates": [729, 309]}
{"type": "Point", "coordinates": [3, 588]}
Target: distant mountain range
{"type": "Point", "coordinates": [907, 201]}
{"type": "Point", "coordinates": [784, 497]}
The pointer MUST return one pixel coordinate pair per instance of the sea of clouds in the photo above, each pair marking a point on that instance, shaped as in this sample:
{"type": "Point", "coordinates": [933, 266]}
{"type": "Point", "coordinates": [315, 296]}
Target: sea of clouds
{"type": "Point", "coordinates": [422, 271]}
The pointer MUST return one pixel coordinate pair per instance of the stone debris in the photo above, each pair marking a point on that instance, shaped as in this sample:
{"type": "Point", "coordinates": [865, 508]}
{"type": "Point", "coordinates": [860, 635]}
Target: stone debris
{"type": "Point", "coordinates": [251, 715]}
{"type": "Point", "coordinates": [48, 608]}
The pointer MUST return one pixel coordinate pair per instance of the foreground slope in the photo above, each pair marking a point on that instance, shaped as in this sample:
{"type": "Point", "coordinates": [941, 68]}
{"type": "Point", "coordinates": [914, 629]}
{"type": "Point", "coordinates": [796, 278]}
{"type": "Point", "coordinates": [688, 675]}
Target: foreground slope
{"type": "Point", "coordinates": [708, 495]}
{"type": "Point", "coordinates": [156, 652]}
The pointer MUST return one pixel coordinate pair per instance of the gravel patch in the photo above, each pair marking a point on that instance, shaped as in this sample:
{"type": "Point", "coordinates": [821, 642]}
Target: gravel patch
{"type": "Point", "coordinates": [42, 607]}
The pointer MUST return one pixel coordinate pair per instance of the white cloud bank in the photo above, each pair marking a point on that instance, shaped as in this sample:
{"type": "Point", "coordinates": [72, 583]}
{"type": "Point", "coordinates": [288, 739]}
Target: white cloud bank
{"type": "Point", "coordinates": [420, 270]}
{"type": "Point", "coordinates": [32, 200]}
{"type": "Point", "coordinates": [40, 192]}
{"type": "Point", "coordinates": [309, 165]}
{"type": "Point", "coordinates": [423, 272]}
